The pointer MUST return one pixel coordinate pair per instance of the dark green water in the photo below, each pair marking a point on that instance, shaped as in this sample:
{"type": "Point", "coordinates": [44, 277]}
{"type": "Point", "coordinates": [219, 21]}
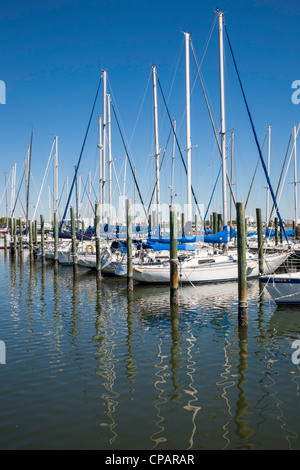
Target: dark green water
{"type": "Point", "coordinates": [88, 370]}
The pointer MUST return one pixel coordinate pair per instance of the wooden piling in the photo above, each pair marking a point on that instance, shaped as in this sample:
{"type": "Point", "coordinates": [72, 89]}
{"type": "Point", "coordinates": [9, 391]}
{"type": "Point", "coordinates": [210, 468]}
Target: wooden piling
{"type": "Point", "coordinates": [74, 245]}
{"type": "Point", "coordinates": [35, 234]}
{"type": "Point", "coordinates": [98, 249]}
{"type": "Point", "coordinates": [20, 236]}
{"type": "Point", "coordinates": [15, 235]}
{"type": "Point", "coordinates": [259, 241]}
{"type": "Point", "coordinates": [182, 225]}
{"type": "Point", "coordinates": [129, 247]}
{"type": "Point", "coordinates": [30, 240]}
{"type": "Point", "coordinates": [173, 257]}
{"type": "Point", "coordinates": [215, 222]}
{"type": "Point", "coordinates": [242, 264]}
{"type": "Point", "coordinates": [43, 238]}
{"type": "Point", "coordinates": [149, 225]}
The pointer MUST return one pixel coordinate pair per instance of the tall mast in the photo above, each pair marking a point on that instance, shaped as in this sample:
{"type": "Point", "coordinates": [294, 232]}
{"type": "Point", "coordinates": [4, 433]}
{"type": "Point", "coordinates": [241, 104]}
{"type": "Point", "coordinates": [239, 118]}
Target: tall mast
{"type": "Point", "coordinates": [100, 147]}
{"type": "Point", "coordinates": [104, 123]}
{"type": "Point", "coordinates": [109, 157]}
{"type": "Point", "coordinates": [295, 176]}
{"type": "Point", "coordinates": [55, 177]}
{"type": "Point", "coordinates": [157, 152]}
{"type": "Point", "coordinates": [90, 192]}
{"type": "Point", "coordinates": [79, 199]}
{"type": "Point", "coordinates": [49, 198]}
{"type": "Point", "coordinates": [268, 170]}
{"type": "Point", "coordinates": [188, 127]}
{"type": "Point", "coordinates": [231, 174]}
{"type": "Point", "coordinates": [134, 193]}
{"type": "Point", "coordinates": [173, 161]}
{"type": "Point", "coordinates": [13, 189]}
{"type": "Point", "coordinates": [28, 180]}
{"type": "Point", "coordinates": [222, 109]}
{"type": "Point", "coordinates": [6, 201]}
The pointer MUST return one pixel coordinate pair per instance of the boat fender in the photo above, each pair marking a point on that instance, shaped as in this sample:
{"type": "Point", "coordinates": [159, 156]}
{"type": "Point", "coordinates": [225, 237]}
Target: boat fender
{"type": "Point", "coordinates": [139, 270]}
{"type": "Point", "coordinates": [251, 265]}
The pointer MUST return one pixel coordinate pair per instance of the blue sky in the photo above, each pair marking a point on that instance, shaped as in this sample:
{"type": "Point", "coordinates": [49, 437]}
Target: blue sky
{"type": "Point", "coordinates": [50, 59]}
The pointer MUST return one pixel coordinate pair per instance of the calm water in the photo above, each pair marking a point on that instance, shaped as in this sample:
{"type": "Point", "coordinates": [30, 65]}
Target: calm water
{"type": "Point", "coordinates": [88, 370]}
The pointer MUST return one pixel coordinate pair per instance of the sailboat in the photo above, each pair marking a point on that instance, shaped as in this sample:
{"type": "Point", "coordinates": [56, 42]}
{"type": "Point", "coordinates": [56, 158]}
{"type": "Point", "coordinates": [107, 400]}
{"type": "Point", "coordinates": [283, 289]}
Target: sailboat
{"type": "Point", "coordinates": [206, 266]}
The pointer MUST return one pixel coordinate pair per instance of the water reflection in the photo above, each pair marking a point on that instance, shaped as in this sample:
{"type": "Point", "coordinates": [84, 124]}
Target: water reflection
{"type": "Point", "coordinates": [192, 391]}
{"type": "Point", "coordinates": [243, 430]}
{"type": "Point", "coordinates": [176, 359]}
{"type": "Point", "coordinates": [131, 368]}
{"type": "Point", "coordinates": [105, 345]}
{"type": "Point", "coordinates": [180, 373]}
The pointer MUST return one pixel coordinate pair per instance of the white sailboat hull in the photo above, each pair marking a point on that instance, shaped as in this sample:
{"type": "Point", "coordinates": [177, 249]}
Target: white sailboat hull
{"type": "Point", "coordinates": [65, 258]}
{"type": "Point", "coordinates": [89, 261]}
{"type": "Point", "coordinates": [214, 272]}
{"type": "Point", "coordinates": [283, 288]}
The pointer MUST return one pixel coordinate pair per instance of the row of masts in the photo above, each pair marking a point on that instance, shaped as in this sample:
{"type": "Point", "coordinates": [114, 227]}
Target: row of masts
{"type": "Point", "coordinates": [188, 127]}
{"type": "Point", "coordinates": [105, 150]}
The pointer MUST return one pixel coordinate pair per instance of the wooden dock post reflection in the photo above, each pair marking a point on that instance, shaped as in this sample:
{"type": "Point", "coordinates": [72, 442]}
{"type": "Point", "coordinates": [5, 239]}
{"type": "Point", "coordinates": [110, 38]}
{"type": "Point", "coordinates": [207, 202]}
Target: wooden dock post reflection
{"type": "Point", "coordinates": [242, 428]}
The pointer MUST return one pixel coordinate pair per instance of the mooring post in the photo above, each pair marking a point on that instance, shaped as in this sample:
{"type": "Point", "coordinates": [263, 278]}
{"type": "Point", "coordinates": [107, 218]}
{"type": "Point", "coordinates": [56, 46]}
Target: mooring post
{"type": "Point", "coordinates": [55, 240]}
{"type": "Point", "coordinates": [242, 264]}
{"type": "Point", "coordinates": [173, 257]}
{"type": "Point", "coordinates": [215, 222]}
{"type": "Point", "coordinates": [43, 238]}
{"type": "Point", "coordinates": [98, 249]}
{"type": "Point", "coordinates": [149, 226]}
{"type": "Point", "coordinates": [182, 225]}
{"type": "Point", "coordinates": [11, 238]}
{"type": "Point", "coordinates": [15, 236]}
{"type": "Point", "coordinates": [30, 240]}
{"type": "Point", "coordinates": [259, 242]}
{"type": "Point", "coordinates": [74, 247]}
{"type": "Point", "coordinates": [129, 247]}
{"type": "Point", "coordinates": [35, 237]}
{"type": "Point", "coordinates": [20, 236]}
{"type": "Point", "coordinates": [219, 222]}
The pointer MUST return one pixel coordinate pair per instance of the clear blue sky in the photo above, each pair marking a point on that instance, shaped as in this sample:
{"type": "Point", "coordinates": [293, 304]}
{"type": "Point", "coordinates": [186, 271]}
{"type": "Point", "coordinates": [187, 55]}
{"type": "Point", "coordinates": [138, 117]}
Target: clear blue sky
{"type": "Point", "coordinates": [50, 56]}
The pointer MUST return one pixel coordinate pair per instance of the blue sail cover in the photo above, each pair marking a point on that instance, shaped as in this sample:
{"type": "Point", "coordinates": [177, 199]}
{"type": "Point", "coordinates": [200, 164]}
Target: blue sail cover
{"type": "Point", "coordinates": [271, 233]}
{"type": "Point", "coordinates": [166, 246]}
{"type": "Point", "coordinates": [220, 237]}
